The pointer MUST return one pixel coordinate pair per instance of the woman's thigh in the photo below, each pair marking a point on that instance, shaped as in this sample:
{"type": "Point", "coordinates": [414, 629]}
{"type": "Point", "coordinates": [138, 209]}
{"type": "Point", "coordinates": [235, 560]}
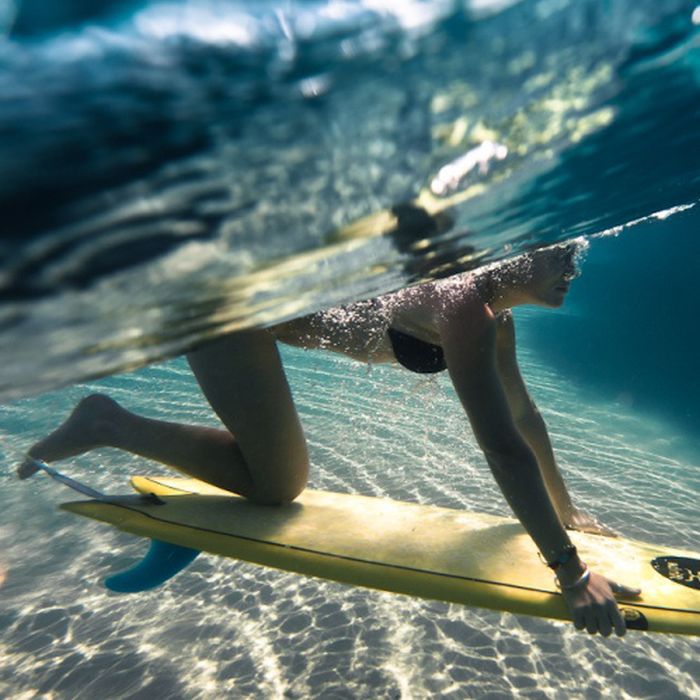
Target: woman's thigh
{"type": "Point", "coordinates": [243, 379]}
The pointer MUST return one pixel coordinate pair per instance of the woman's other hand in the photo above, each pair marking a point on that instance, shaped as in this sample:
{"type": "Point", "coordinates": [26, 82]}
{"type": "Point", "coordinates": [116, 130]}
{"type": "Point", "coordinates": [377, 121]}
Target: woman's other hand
{"type": "Point", "coordinates": [582, 522]}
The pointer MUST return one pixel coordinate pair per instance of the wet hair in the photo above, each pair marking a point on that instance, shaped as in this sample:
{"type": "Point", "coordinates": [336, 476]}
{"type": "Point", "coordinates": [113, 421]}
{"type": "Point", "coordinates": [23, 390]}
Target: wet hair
{"type": "Point", "coordinates": [521, 264]}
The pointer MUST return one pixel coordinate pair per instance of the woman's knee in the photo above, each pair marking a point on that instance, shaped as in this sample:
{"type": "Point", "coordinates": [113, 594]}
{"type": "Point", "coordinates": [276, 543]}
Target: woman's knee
{"type": "Point", "coordinates": [278, 487]}
{"type": "Point", "coordinates": [275, 494]}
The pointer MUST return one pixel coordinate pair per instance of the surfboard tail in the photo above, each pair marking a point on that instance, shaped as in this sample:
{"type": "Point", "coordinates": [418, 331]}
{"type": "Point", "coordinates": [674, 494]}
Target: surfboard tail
{"type": "Point", "coordinates": [161, 562]}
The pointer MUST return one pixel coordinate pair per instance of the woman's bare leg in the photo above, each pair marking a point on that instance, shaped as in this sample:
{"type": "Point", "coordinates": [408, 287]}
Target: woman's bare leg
{"type": "Point", "coordinates": [255, 404]}
{"type": "Point", "coordinates": [243, 379]}
{"type": "Point", "coordinates": [99, 421]}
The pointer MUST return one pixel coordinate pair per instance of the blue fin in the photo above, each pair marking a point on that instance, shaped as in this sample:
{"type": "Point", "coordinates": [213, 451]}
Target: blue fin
{"type": "Point", "coordinates": [162, 562]}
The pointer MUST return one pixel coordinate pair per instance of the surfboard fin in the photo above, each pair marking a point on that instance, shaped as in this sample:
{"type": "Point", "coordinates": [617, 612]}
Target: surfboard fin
{"type": "Point", "coordinates": [162, 561]}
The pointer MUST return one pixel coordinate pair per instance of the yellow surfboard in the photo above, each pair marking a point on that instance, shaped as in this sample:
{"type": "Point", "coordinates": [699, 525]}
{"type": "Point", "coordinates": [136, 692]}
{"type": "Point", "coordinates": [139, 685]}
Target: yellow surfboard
{"type": "Point", "coordinates": [439, 553]}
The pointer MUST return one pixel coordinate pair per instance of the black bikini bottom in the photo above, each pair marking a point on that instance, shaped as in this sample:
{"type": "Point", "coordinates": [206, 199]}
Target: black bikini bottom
{"type": "Point", "coordinates": [415, 354]}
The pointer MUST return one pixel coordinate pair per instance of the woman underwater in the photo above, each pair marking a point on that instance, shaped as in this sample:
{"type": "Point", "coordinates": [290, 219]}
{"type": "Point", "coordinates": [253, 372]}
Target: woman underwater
{"type": "Point", "coordinates": [462, 324]}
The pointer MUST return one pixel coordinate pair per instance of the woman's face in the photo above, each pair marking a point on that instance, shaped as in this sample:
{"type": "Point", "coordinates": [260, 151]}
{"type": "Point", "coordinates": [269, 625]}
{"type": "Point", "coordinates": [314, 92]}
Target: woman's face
{"type": "Point", "coordinates": [551, 272]}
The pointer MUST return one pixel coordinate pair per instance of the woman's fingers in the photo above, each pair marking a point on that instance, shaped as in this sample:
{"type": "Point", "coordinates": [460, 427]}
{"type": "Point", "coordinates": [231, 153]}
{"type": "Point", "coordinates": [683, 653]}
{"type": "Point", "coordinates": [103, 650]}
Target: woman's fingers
{"type": "Point", "coordinates": [594, 608]}
{"type": "Point", "coordinates": [602, 619]}
{"type": "Point", "coordinates": [583, 522]}
{"type": "Point", "coordinates": [618, 621]}
{"type": "Point", "coordinates": [591, 622]}
{"type": "Point", "coordinates": [580, 619]}
{"type": "Point", "coordinates": [607, 532]}
{"type": "Point", "coordinates": [605, 624]}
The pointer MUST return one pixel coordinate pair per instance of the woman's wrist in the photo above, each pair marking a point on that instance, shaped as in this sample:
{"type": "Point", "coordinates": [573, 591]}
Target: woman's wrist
{"type": "Point", "coordinates": [580, 582]}
{"type": "Point", "coordinates": [571, 572]}
{"type": "Point", "coordinates": [561, 556]}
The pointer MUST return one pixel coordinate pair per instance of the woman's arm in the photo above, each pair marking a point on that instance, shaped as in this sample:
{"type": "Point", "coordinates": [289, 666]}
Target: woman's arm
{"type": "Point", "coordinates": [468, 330]}
{"type": "Point", "coordinates": [532, 427]}
{"type": "Point", "coordinates": [469, 343]}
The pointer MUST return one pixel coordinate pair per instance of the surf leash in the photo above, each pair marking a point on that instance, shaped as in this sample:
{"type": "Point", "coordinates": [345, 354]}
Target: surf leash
{"type": "Point", "coordinates": [84, 488]}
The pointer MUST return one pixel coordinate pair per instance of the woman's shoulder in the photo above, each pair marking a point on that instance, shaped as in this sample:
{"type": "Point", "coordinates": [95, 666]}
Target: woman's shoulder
{"type": "Point", "coordinates": [460, 298]}
{"type": "Point", "coordinates": [436, 294]}
{"type": "Point", "coordinates": [434, 305]}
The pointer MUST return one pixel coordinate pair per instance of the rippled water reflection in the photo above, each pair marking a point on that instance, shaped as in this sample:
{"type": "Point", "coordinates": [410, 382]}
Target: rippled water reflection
{"type": "Point", "coordinates": [161, 182]}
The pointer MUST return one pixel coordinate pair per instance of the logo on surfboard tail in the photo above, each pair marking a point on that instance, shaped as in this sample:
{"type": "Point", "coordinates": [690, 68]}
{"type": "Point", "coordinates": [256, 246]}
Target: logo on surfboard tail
{"type": "Point", "coordinates": [682, 570]}
{"type": "Point", "coordinates": [634, 619]}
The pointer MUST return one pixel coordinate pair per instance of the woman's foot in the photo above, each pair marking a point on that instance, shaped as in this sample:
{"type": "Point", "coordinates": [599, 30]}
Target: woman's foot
{"type": "Point", "coordinates": [84, 430]}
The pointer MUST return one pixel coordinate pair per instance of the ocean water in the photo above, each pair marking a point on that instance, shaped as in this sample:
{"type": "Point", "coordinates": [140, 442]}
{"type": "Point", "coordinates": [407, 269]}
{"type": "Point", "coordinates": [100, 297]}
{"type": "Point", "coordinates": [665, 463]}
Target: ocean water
{"type": "Point", "coordinates": [598, 113]}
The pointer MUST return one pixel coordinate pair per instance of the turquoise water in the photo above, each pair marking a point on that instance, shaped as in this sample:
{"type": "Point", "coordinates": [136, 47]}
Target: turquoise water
{"type": "Point", "coordinates": [167, 176]}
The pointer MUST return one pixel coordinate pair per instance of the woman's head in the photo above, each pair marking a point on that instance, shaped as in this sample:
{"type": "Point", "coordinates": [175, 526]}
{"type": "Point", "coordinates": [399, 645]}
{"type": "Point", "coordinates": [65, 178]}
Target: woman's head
{"type": "Point", "coordinates": [541, 277]}
{"type": "Point", "coordinates": [550, 273]}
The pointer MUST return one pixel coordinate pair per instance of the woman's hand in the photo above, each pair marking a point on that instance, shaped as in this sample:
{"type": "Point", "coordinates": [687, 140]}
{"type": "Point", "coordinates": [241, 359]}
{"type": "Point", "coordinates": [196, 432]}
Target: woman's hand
{"type": "Point", "coordinates": [582, 522]}
{"type": "Point", "coordinates": [593, 606]}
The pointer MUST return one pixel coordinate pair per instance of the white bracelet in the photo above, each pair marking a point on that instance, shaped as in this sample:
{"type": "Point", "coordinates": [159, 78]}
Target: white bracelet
{"type": "Point", "coordinates": [582, 580]}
